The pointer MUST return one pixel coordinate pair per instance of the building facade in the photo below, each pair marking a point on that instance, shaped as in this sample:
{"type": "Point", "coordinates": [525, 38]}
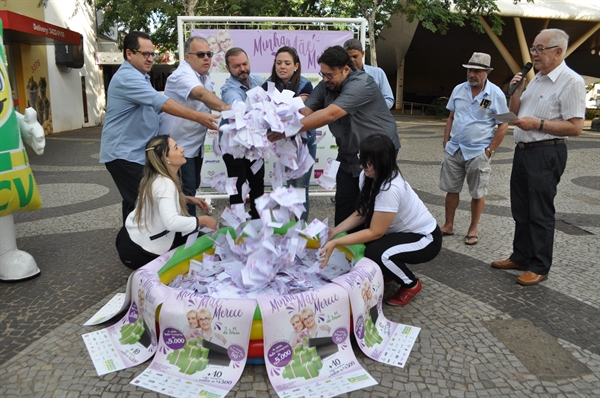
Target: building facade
{"type": "Point", "coordinates": [52, 67]}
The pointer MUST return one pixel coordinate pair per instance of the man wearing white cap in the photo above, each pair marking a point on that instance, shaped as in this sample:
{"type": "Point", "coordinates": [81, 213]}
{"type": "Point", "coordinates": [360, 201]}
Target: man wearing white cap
{"type": "Point", "coordinates": [470, 140]}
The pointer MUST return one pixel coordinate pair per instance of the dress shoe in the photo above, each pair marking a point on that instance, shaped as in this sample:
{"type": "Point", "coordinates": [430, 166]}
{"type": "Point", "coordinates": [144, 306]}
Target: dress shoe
{"type": "Point", "coordinates": [404, 295]}
{"type": "Point", "coordinates": [506, 264]}
{"type": "Point", "coordinates": [530, 278]}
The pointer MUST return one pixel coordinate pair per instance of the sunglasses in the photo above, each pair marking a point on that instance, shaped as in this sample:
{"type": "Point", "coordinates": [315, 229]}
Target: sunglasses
{"type": "Point", "coordinates": [201, 54]}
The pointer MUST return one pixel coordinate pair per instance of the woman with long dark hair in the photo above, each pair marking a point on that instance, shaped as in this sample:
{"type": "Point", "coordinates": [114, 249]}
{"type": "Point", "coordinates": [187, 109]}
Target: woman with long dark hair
{"type": "Point", "coordinates": [398, 228]}
{"type": "Point", "coordinates": [286, 75]}
{"type": "Point", "coordinates": [160, 220]}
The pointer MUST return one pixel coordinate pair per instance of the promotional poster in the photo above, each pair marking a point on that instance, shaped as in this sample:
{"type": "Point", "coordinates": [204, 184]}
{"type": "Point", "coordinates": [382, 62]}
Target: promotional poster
{"type": "Point", "coordinates": [133, 339]}
{"type": "Point", "coordinates": [261, 46]}
{"type": "Point", "coordinates": [308, 349]}
{"type": "Point", "coordinates": [379, 338]}
{"type": "Point", "coordinates": [203, 345]}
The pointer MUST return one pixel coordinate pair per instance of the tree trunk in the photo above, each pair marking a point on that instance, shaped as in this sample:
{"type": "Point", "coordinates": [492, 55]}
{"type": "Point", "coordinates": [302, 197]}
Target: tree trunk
{"type": "Point", "coordinates": [372, 49]}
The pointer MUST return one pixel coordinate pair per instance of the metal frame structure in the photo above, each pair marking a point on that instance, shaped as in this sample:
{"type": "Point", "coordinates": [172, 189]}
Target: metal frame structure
{"type": "Point", "coordinates": [301, 23]}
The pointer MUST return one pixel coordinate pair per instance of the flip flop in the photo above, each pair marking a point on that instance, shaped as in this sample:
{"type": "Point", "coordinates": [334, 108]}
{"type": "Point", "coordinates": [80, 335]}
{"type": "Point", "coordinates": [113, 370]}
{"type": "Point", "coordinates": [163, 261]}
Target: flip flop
{"type": "Point", "coordinates": [469, 237]}
{"type": "Point", "coordinates": [444, 233]}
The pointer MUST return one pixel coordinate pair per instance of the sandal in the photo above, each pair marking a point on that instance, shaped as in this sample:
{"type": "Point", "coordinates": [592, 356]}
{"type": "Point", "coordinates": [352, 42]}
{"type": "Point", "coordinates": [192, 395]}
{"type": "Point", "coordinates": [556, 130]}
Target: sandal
{"type": "Point", "coordinates": [468, 239]}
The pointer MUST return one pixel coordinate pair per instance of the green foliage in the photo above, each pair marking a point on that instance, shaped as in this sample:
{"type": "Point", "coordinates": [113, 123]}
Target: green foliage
{"type": "Point", "coordinates": [438, 108]}
{"type": "Point", "coordinates": [591, 113]}
{"type": "Point", "coordinates": [159, 17]}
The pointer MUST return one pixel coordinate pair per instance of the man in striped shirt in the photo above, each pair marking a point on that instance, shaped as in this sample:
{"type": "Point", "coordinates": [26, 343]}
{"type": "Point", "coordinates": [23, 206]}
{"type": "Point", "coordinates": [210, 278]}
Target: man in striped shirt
{"type": "Point", "coordinates": [551, 109]}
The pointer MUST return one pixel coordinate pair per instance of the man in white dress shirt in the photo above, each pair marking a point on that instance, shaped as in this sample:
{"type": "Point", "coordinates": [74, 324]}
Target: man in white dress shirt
{"type": "Point", "coordinates": [550, 110]}
{"type": "Point", "coordinates": [190, 86]}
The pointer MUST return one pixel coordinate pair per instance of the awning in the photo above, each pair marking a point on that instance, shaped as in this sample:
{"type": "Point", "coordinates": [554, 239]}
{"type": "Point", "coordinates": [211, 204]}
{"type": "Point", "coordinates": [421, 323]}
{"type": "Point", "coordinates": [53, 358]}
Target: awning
{"type": "Point", "coordinates": [21, 29]}
{"type": "Point", "coordinates": [571, 10]}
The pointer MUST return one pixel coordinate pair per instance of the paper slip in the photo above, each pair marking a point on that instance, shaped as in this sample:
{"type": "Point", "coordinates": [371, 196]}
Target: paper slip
{"type": "Point", "coordinates": [326, 182]}
{"type": "Point", "coordinates": [332, 168]}
{"type": "Point", "coordinates": [505, 117]}
{"type": "Point", "coordinates": [109, 310]}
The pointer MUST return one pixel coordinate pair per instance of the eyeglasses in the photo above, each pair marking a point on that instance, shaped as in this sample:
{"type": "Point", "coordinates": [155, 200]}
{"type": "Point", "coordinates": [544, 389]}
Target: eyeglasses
{"type": "Point", "coordinates": [328, 76]}
{"type": "Point", "coordinates": [145, 54]}
{"type": "Point", "coordinates": [225, 41]}
{"type": "Point", "coordinates": [203, 319]}
{"type": "Point", "coordinates": [307, 318]}
{"type": "Point", "coordinates": [540, 49]}
{"type": "Point", "coordinates": [201, 54]}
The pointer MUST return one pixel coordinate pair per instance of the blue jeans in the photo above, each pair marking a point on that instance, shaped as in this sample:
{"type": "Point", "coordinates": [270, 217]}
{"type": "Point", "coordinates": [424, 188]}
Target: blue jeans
{"type": "Point", "coordinates": [190, 179]}
{"type": "Point", "coordinates": [304, 181]}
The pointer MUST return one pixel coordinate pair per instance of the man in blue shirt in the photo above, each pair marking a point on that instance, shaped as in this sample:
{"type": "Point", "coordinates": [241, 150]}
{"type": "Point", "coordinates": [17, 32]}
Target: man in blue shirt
{"type": "Point", "coordinates": [356, 52]}
{"type": "Point", "coordinates": [470, 141]}
{"type": "Point", "coordinates": [132, 117]}
{"type": "Point", "coordinates": [235, 89]}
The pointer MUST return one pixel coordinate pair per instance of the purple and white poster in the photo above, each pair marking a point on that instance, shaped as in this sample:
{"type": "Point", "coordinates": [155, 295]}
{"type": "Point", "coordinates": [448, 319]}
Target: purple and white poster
{"type": "Point", "coordinates": [261, 45]}
{"type": "Point", "coordinates": [203, 345]}
{"type": "Point", "coordinates": [132, 340]}
{"type": "Point", "coordinates": [379, 338]}
{"type": "Point", "coordinates": [307, 347]}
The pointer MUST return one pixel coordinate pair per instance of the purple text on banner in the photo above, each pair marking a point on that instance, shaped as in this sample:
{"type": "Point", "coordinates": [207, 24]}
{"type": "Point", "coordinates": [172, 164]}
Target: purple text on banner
{"type": "Point", "coordinates": [261, 45]}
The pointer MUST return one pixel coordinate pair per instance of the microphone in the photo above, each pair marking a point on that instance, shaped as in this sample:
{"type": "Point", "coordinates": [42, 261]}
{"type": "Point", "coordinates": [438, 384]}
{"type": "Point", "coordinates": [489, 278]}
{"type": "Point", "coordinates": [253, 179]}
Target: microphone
{"type": "Point", "coordinates": [524, 72]}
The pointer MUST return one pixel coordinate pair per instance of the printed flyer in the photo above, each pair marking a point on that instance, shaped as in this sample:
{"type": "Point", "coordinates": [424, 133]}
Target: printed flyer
{"type": "Point", "coordinates": [132, 340]}
{"type": "Point", "coordinates": [379, 338]}
{"type": "Point", "coordinates": [203, 345]}
{"type": "Point", "coordinates": [109, 310]}
{"type": "Point", "coordinates": [308, 350]}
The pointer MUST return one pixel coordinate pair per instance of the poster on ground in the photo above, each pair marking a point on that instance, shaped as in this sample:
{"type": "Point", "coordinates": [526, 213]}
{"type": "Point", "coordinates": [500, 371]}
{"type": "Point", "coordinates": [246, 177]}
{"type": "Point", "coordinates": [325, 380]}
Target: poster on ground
{"type": "Point", "coordinates": [307, 347]}
{"type": "Point", "coordinates": [379, 338]}
{"type": "Point", "coordinates": [203, 345]}
{"type": "Point", "coordinates": [132, 340]}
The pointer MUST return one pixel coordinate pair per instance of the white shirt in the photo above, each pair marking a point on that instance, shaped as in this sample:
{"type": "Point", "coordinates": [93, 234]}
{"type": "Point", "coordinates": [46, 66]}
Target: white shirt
{"type": "Point", "coordinates": [164, 216]}
{"type": "Point", "coordinates": [188, 133]}
{"type": "Point", "coordinates": [411, 214]}
{"type": "Point", "coordinates": [559, 95]}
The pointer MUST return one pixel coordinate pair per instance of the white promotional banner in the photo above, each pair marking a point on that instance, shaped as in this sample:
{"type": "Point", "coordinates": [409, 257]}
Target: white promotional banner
{"type": "Point", "coordinates": [132, 340]}
{"type": "Point", "coordinates": [203, 345]}
{"type": "Point", "coordinates": [307, 346]}
{"type": "Point", "coordinates": [261, 46]}
{"type": "Point", "coordinates": [379, 338]}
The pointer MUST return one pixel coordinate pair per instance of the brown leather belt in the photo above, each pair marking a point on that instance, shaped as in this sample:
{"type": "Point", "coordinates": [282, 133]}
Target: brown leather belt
{"type": "Point", "coordinates": [523, 145]}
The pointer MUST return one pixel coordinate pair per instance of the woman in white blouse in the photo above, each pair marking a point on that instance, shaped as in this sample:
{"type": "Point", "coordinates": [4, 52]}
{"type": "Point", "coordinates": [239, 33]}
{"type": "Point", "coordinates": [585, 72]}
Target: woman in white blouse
{"type": "Point", "coordinates": [160, 220]}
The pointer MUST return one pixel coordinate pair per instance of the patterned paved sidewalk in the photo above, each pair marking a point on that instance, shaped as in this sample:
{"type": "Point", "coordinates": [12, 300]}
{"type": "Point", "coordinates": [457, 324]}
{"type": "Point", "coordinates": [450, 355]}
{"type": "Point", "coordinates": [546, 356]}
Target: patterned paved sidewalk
{"type": "Point", "coordinates": [482, 334]}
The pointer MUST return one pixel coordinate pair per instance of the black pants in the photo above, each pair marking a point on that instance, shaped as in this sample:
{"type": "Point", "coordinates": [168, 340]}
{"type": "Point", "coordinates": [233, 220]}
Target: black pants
{"type": "Point", "coordinates": [392, 252]}
{"type": "Point", "coordinates": [346, 195]}
{"type": "Point", "coordinates": [535, 175]}
{"type": "Point", "coordinates": [132, 254]}
{"type": "Point", "coordinates": [240, 168]}
{"type": "Point", "coordinates": [190, 179]}
{"type": "Point", "coordinates": [127, 177]}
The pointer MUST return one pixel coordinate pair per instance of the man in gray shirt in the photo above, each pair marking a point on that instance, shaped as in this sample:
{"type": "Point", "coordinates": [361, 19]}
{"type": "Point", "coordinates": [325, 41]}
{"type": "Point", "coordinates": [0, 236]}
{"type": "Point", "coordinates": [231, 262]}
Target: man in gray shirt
{"type": "Point", "coordinates": [351, 103]}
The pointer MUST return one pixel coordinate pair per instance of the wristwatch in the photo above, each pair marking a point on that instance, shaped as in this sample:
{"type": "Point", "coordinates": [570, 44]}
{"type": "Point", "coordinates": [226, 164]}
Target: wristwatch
{"type": "Point", "coordinates": [492, 153]}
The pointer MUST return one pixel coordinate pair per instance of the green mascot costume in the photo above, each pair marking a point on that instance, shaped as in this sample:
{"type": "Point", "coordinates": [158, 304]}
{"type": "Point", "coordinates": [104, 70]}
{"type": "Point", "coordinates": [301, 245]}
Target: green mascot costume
{"type": "Point", "coordinates": [17, 186]}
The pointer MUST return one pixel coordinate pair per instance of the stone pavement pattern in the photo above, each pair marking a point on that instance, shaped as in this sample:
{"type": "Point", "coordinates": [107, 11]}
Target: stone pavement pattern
{"type": "Point", "coordinates": [482, 334]}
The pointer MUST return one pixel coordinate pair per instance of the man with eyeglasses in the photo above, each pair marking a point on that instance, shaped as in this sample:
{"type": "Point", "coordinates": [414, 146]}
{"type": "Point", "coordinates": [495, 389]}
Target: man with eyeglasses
{"type": "Point", "coordinates": [235, 89]}
{"type": "Point", "coordinates": [549, 110]}
{"type": "Point", "coordinates": [470, 141]}
{"type": "Point", "coordinates": [132, 117]}
{"type": "Point", "coordinates": [356, 52]}
{"type": "Point", "coordinates": [349, 101]}
{"type": "Point", "coordinates": [191, 87]}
